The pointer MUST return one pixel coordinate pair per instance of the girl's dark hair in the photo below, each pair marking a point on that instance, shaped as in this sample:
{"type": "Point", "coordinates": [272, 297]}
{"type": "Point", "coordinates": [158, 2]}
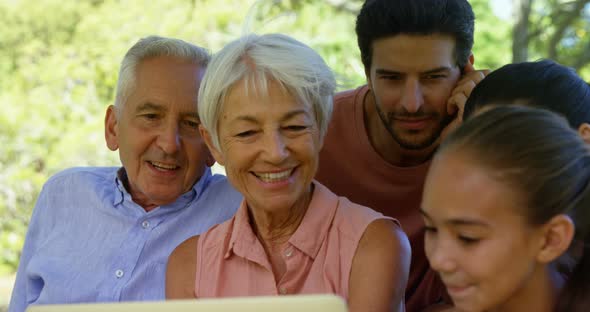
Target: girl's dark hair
{"type": "Point", "coordinates": [543, 84]}
{"type": "Point", "coordinates": [536, 153]}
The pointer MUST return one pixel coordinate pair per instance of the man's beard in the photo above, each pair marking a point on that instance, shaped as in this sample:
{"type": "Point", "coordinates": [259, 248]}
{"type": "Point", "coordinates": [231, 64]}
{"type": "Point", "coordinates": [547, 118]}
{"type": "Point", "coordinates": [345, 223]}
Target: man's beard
{"type": "Point", "coordinates": [410, 144]}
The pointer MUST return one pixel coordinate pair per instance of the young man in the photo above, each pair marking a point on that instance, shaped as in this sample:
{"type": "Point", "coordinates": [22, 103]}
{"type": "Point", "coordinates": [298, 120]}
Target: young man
{"type": "Point", "coordinates": [419, 69]}
{"type": "Point", "coordinates": [105, 234]}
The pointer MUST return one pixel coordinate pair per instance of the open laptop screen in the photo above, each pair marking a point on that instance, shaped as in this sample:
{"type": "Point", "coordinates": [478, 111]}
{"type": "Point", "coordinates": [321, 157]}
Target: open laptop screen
{"type": "Point", "coordinates": [295, 303]}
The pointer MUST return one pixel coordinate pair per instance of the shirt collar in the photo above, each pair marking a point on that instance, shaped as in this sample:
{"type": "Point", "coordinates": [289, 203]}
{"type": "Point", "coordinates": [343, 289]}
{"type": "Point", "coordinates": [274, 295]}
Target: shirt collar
{"type": "Point", "coordinates": [313, 230]}
{"type": "Point", "coordinates": [239, 224]}
{"type": "Point", "coordinates": [242, 240]}
{"type": "Point", "coordinates": [122, 195]}
{"type": "Point", "coordinates": [308, 237]}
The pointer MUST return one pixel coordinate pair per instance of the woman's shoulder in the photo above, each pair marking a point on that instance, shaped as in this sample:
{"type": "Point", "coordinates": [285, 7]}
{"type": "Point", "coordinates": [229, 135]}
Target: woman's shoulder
{"type": "Point", "coordinates": [382, 258]}
{"type": "Point", "coordinates": [355, 215]}
{"type": "Point", "coordinates": [186, 249]}
{"type": "Point", "coordinates": [181, 270]}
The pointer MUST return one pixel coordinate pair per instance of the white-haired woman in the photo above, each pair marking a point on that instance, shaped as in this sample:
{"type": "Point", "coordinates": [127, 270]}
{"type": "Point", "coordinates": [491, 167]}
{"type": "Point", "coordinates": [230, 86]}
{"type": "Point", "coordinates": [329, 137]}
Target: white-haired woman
{"type": "Point", "coordinates": [265, 103]}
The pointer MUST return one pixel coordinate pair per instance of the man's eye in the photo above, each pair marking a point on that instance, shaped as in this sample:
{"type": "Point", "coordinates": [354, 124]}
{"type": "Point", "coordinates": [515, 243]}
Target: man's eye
{"type": "Point", "coordinates": [435, 76]}
{"type": "Point", "coordinates": [429, 229]}
{"type": "Point", "coordinates": [191, 123]}
{"type": "Point", "coordinates": [296, 127]}
{"type": "Point", "coordinates": [391, 77]}
{"type": "Point", "coordinates": [150, 116]}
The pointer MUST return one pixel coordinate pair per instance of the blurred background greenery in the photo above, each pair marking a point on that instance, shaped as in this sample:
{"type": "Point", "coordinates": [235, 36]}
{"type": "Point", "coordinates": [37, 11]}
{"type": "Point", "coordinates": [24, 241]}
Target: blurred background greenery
{"type": "Point", "coordinates": [59, 62]}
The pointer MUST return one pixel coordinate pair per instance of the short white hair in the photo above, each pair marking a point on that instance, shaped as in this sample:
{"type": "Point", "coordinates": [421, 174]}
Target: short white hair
{"type": "Point", "coordinates": [149, 47]}
{"type": "Point", "coordinates": [258, 59]}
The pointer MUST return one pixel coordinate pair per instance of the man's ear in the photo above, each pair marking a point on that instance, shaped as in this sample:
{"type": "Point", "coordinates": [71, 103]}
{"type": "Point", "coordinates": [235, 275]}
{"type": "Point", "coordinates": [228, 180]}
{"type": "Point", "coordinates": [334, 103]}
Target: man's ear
{"type": "Point", "coordinates": [217, 155]}
{"type": "Point", "coordinates": [557, 235]}
{"type": "Point", "coordinates": [469, 65]}
{"type": "Point", "coordinates": [111, 128]}
{"type": "Point", "coordinates": [209, 161]}
{"type": "Point", "coordinates": [471, 59]}
{"type": "Point", "coordinates": [584, 132]}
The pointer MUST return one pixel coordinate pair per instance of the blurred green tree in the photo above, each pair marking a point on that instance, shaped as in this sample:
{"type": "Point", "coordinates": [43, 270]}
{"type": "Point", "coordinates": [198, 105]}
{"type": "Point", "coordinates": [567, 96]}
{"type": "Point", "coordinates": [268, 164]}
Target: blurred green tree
{"type": "Point", "coordinates": [554, 29]}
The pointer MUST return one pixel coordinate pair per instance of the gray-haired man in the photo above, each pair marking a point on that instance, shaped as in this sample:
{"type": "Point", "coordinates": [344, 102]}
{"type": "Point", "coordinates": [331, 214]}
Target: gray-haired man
{"type": "Point", "coordinates": [105, 234]}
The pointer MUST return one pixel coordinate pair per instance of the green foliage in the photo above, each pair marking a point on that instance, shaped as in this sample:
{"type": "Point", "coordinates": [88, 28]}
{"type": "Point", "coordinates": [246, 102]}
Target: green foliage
{"type": "Point", "coordinates": [492, 37]}
{"type": "Point", "coordinates": [559, 31]}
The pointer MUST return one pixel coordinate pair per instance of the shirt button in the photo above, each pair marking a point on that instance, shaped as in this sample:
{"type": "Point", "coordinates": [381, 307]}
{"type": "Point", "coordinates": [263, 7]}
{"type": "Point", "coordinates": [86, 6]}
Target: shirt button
{"type": "Point", "coordinates": [283, 290]}
{"type": "Point", "coordinates": [289, 252]}
{"type": "Point", "coordinates": [145, 224]}
{"type": "Point", "coordinates": [119, 273]}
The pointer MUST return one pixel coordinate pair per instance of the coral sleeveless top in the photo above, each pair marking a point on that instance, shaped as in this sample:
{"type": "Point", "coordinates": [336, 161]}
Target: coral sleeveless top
{"type": "Point", "coordinates": [232, 262]}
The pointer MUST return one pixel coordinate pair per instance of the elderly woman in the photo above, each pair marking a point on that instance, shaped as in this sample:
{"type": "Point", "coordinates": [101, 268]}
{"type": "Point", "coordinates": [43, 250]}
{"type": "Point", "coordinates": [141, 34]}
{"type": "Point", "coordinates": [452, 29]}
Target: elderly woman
{"type": "Point", "coordinates": [265, 103]}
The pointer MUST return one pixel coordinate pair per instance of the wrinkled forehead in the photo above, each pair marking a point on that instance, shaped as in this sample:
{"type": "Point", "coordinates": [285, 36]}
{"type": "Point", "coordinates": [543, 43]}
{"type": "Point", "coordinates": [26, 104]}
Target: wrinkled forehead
{"type": "Point", "coordinates": [166, 81]}
{"type": "Point", "coordinates": [414, 52]}
{"type": "Point", "coordinates": [259, 84]}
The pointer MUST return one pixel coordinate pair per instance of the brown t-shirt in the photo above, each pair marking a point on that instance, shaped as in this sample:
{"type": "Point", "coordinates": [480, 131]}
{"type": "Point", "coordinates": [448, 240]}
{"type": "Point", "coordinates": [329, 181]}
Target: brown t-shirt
{"type": "Point", "coordinates": [350, 167]}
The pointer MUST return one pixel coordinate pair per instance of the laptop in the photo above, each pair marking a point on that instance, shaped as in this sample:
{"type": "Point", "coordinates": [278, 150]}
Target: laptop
{"type": "Point", "coordinates": [294, 303]}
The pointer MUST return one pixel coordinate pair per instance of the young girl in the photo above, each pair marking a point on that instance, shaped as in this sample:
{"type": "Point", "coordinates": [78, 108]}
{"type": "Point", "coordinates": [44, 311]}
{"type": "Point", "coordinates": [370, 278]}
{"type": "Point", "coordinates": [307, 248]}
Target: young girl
{"type": "Point", "coordinates": [506, 205]}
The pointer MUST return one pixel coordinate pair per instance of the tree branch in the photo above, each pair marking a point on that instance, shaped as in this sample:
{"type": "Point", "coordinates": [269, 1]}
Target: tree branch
{"type": "Point", "coordinates": [520, 32]}
{"type": "Point", "coordinates": [583, 59]}
{"type": "Point", "coordinates": [562, 21]}
{"type": "Point", "coordinates": [534, 33]}
{"type": "Point", "coordinates": [345, 6]}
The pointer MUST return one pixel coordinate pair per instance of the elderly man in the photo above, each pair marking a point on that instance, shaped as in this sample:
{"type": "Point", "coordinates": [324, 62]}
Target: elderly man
{"type": "Point", "coordinates": [105, 234]}
{"type": "Point", "coordinates": [419, 69]}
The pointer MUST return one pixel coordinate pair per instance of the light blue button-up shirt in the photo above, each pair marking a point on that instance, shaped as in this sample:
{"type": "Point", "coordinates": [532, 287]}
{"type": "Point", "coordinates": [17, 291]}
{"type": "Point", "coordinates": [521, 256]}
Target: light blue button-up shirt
{"type": "Point", "coordinates": [88, 241]}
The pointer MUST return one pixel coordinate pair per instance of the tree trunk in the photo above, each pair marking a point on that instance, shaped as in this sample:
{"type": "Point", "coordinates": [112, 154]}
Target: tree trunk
{"type": "Point", "coordinates": [520, 32]}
